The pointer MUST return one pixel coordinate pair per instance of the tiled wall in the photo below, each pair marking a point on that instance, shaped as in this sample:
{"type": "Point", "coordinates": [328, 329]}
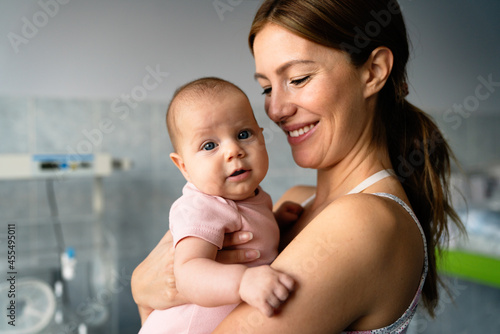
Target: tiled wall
{"type": "Point", "coordinates": [137, 201]}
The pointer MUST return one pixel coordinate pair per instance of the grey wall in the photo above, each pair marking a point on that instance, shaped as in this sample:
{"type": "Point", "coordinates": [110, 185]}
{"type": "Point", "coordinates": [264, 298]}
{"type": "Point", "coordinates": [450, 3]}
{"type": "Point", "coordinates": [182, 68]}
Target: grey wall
{"type": "Point", "coordinates": [87, 62]}
{"type": "Point", "coordinates": [100, 48]}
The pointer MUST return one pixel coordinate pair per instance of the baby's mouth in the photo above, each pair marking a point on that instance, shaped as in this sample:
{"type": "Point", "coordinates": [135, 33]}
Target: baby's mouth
{"type": "Point", "coordinates": [238, 172]}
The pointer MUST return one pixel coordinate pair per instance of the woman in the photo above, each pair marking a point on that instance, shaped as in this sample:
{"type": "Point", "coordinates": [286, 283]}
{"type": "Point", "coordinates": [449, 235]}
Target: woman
{"type": "Point", "coordinates": [334, 79]}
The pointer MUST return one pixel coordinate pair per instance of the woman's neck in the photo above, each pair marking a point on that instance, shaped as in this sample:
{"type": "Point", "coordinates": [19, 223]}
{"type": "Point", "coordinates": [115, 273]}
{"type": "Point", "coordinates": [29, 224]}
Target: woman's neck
{"type": "Point", "coordinates": [338, 180]}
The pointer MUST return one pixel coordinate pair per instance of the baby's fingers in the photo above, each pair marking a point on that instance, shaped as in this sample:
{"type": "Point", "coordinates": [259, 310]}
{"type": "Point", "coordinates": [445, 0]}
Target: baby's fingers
{"type": "Point", "coordinates": [287, 281]}
{"type": "Point", "coordinates": [274, 302]}
{"type": "Point", "coordinates": [280, 293]}
{"type": "Point", "coordinates": [266, 309]}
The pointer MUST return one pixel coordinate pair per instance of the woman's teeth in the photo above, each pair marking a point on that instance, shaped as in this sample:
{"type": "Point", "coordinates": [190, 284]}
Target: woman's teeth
{"type": "Point", "coordinates": [301, 131]}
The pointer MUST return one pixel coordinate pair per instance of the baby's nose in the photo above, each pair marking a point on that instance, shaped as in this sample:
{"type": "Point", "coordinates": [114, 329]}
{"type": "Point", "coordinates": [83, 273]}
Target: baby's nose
{"type": "Point", "coordinates": [233, 150]}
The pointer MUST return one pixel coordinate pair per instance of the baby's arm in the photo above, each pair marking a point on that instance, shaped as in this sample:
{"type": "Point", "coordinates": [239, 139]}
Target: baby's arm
{"type": "Point", "coordinates": [208, 283]}
{"type": "Point", "coordinates": [288, 213]}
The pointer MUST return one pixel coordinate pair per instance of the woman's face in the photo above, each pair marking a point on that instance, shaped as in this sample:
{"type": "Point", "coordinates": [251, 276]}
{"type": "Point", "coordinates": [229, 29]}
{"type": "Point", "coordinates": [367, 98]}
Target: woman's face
{"type": "Point", "coordinates": [314, 94]}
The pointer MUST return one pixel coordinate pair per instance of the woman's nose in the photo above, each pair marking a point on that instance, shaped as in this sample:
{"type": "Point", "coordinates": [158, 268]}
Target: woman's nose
{"type": "Point", "coordinates": [278, 107]}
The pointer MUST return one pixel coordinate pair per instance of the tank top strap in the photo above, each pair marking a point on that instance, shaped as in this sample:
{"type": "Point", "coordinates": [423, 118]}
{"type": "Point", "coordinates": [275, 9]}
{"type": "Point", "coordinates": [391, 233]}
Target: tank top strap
{"type": "Point", "coordinates": [412, 214]}
{"type": "Point", "coordinates": [371, 180]}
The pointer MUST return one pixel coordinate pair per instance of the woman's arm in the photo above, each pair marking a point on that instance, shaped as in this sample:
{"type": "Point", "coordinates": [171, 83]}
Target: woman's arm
{"type": "Point", "coordinates": [153, 283]}
{"type": "Point", "coordinates": [338, 263]}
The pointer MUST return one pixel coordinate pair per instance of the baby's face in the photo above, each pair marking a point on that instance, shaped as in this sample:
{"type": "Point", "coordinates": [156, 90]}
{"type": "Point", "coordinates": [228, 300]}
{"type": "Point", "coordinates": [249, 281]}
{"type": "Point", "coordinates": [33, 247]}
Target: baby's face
{"type": "Point", "coordinates": [222, 146]}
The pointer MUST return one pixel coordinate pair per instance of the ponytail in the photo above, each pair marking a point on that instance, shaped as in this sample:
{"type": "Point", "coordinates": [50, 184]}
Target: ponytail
{"type": "Point", "coordinates": [421, 158]}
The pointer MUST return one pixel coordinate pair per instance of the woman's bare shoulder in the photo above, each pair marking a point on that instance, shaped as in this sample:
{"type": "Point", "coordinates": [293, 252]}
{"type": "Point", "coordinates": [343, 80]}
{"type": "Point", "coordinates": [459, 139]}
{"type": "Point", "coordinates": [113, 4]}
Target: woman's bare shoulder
{"type": "Point", "coordinates": [377, 223]}
{"type": "Point", "coordinates": [371, 220]}
{"type": "Point", "coordinates": [379, 244]}
{"type": "Point", "coordinates": [341, 262]}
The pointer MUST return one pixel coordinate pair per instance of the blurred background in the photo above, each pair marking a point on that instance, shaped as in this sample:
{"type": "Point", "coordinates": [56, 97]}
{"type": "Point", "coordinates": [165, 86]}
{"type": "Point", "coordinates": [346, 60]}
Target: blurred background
{"type": "Point", "coordinates": [86, 182]}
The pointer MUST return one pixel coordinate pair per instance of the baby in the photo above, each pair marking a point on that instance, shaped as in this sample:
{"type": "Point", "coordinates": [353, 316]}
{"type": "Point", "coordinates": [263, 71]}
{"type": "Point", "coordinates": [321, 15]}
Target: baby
{"type": "Point", "coordinates": [220, 150]}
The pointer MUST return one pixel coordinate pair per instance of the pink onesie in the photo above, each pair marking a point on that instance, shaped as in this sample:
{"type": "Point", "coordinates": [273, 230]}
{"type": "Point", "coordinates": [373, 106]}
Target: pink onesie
{"type": "Point", "coordinates": [210, 217]}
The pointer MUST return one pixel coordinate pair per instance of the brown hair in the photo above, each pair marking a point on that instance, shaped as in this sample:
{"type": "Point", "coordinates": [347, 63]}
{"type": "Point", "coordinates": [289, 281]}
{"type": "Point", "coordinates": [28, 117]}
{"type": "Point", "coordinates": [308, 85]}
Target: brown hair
{"type": "Point", "coordinates": [196, 89]}
{"type": "Point", "coordinates": [417, 149]}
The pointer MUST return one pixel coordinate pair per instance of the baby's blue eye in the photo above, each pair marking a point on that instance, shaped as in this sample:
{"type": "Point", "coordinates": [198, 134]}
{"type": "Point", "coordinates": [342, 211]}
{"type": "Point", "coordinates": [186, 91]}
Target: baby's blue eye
{"type": "Point", "coordinates": [208, 146]}
{"type": "Point", "coordinates": [245, 134]}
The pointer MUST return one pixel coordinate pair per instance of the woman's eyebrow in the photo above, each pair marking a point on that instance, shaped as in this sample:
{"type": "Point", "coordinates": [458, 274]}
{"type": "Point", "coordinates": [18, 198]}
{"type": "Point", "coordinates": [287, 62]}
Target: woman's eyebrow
{"type": "Point", "coordinates": [284, 67]}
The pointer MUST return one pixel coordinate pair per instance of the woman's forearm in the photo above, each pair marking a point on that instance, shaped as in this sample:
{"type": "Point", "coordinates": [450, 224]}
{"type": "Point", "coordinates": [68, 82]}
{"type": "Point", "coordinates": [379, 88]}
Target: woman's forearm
{"type": "Point", "coordinates": [153, 284]}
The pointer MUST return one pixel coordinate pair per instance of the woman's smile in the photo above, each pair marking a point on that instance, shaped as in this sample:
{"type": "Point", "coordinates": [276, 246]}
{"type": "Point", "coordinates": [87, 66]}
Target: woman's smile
{"type": "Point", "coordinates": [301, 131]}
{"type": "Point", "coordinates": [298, 133]}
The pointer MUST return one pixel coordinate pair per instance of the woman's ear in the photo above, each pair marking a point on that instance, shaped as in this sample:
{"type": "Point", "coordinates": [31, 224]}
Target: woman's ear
{"type": "Point", "coordinates": [179, 162]}
{"type": "Point", "coordinates": [377, 68]}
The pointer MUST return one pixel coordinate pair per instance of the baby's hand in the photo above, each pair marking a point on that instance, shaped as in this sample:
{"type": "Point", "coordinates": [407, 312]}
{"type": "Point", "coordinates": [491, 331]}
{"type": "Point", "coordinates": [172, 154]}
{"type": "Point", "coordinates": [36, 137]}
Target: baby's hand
{"type": "Point", "coordinates": [288, 213]}
{"type": "Point", "coordinates": [265, 288]}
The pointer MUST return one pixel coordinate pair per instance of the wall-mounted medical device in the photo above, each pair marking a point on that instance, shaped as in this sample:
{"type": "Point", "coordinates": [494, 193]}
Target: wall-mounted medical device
{"type": "Point", "coordinates": [42, 166]}
{"type": "Point", "coordinates": [78, 255]}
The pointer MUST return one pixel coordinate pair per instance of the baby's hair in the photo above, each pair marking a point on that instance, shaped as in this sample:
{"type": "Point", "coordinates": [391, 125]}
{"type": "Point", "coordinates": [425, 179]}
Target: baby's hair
{"type": "Point", "coordinates": [193, 90]}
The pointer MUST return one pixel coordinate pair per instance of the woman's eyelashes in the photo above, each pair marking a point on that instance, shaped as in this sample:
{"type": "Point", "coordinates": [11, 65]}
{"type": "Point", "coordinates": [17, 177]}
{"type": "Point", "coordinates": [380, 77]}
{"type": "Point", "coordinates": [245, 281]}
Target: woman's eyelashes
{"type": "Point", "coordinates": [266, 91]}
{"type": "Point", "coordinates": [300, 81]}
{"type": "Point", "coordinates": [294, 82]}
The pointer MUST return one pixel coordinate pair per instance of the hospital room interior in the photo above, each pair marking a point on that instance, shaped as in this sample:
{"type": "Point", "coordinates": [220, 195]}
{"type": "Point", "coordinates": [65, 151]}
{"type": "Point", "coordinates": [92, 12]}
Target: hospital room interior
{"type": "Point", "coordinates": [86, 181]}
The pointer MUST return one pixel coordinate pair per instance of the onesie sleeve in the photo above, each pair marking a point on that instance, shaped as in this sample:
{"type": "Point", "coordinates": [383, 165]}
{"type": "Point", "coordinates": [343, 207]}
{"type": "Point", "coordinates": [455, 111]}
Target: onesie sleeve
{"type": "Point", "coordinates": [203, 216]}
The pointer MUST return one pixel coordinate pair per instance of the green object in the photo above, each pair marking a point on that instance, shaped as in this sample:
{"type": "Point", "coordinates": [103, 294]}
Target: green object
{"type": "Point", "coordinates": [474, 267]}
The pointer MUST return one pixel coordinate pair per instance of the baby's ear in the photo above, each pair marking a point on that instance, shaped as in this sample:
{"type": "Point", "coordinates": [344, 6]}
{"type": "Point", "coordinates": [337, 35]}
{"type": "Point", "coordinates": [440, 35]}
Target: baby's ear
{"type": "Point", "coordinates": [179, 162]}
